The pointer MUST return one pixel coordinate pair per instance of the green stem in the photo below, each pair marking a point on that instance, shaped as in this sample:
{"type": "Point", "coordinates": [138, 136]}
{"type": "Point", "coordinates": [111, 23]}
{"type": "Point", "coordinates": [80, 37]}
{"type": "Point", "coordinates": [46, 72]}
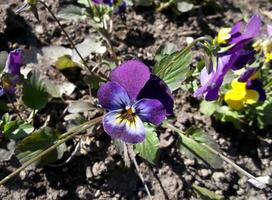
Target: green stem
{"type": "Point", "coordinates": [268, 85]}
{"type": "Point", "coordinates": [106, 36]}
{"type": "Point", "coordinates": [65, 137]}
{"type": "Point", "coordinates": [164, 5]}
{"type": "Point", "coordinates": [66, 35]}
{"type": "Point", "coordinates": [229, 161]}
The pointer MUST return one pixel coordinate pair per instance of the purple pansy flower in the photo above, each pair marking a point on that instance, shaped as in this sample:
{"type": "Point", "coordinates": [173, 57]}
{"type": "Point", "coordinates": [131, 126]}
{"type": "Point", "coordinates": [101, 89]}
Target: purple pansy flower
{"type": "Point", "coordinates": [211, 78]}
{"type": "Point", "coordinates": [133, 96]}
{"type": "Point", "coordinates": [12, 72]}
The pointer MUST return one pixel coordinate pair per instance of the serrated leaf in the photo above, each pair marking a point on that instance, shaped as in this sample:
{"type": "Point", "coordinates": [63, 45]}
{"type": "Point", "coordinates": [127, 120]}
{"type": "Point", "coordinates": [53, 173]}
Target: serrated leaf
{"type": "Point", "coordinates": [35, 95]}
{"type": "Point", "coordinates": [206, 194]}
{"type": "Point", "coordinates": [37, 142]}
{"type": "Point", "coordinates": [194, 149]}
{"type": "Point", "coordinates": [149, 147]}
{"type": "Point", "coordinates": [72, 12]}
{"type": "Point", "coordinates": [174, 68]}
{"type": "Point", "coordinates": [208, 107]}
{"type": "Point", "coordinates": [65, 62]}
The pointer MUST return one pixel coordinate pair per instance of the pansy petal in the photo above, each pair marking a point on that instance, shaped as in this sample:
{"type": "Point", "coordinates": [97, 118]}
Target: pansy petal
{"type": "Point", "coordinates": [236, 28]}
{"type": "Point", "coordinates": [213, 93]}
{"type": "Point", "coordinates": [14, 62]}
{"type": "Point", "coordinates": [269, 30]}
{"type": "Point", "coordinates": [131, 132]}
{"type": "Point", "coordinates": [234, 100]}
{"type": "Point", "coordinates": [253, 27]}
{"type": "Point", "coordinates": [155, 88]}
{"type": "Point", "coordinates": [150, 110]}
{"type": "Point", "coordinates": [257, 85]}
{"type": "Point", "coordinates": [132, 75]}
{"type": "Point", "coordinates": [112, 96]}
{"type": "Point", "coordinates": [247, 74]}
{"type": "Point", "coordinates": [242, 59]}
{"type": "Point", "coordinates": [1, 91]}
{"type": "Point", "coordinates": [211, 88]}
{"type": "Point", "coordinates": [251, 97]}
{"type": "Point", "coordinates": [251, 30]}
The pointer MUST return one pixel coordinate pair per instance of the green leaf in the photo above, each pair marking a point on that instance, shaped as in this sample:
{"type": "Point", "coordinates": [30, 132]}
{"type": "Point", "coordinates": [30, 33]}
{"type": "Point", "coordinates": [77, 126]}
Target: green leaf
{"type": "Point", "coordinates": [208, 107]}
{"type": "Point", "coordinates": [72, 12]}
{"type": "Point", "coordinates": [84, 2]}
{"type": "Point", "coordinates": [65, 62]}
{"type": "Point", "coordinates": [37, 142]}
{"type": "Point", "coordinates": [263, 113]}
{"type": "Point", "coordinates": [174, 68]}
{"type": "Point", "coordinates": [206, 194]}
{"type": "Point", "coordinates": [17, 129]}
{"type": "Point", "coordinates": [226, 114]}
{"type": "Point", "coordinates": [192, 146]}
{"type": "Point", "coordinates": [200, 136]}
{"type": "Point", "coordinates": [35, 95]}
{"type": "Point", "coordinates": [149, 147]}
{"type": "Point", "coordinates": [93, 81]}
{"type": "Point", "coordinates": [3, 59]}
{"type": "Point", "coordinates": [164, 50]}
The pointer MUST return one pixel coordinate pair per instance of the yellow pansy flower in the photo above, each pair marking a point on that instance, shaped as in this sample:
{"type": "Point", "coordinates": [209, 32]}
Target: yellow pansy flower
{"type": "Point", "coordinates": [240, 95]}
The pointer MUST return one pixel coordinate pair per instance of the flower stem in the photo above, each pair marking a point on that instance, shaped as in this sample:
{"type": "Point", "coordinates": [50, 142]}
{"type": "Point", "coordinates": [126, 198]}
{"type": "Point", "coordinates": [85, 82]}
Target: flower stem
{"type": "Point", "coordinates": [14, 107]}
{"type": "Point", "coordinates": [132, 155]}
{"type": "Point", "coordinates": [65, 137]}
{"type": "Point", "coordinates": [226, 159]}
{"type": "Point", "coordinates": [66, 35]}
{"type": "Point", "coordinates": [106, 36]}
{"type": "Point", "coordinates": [164, 5]}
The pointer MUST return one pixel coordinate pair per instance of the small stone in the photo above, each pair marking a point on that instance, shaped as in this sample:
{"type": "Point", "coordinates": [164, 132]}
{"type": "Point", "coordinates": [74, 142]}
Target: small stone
{"type": "Point", "coordinates": [39, 29]}
{"type": "Point", "coordinates": [218, 176]}
{"type": "Point", "coordinates": [204, 172]}
{"type": "Point", "coordinates": [189, 162]}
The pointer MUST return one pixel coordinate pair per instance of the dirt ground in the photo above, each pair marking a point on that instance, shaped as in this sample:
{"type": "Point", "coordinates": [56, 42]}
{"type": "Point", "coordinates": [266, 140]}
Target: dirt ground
{"type": "Point", "coordinates": [101, 173]}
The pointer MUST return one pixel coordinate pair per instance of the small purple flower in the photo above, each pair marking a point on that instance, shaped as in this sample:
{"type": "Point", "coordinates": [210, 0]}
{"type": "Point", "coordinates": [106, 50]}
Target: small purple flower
{"type": "Point", "coordinates": [12, 72]}
{"type": "Point", "coordinates": [212, 79]}
{"type": "Point", "coordinates": [133, 96]}
{"type": "Point", "coordinates": [119, 5]}
{"type": "Point", "coordinates": [237, 36]}
{"type": "Point", "coordinates": [14, 62]}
